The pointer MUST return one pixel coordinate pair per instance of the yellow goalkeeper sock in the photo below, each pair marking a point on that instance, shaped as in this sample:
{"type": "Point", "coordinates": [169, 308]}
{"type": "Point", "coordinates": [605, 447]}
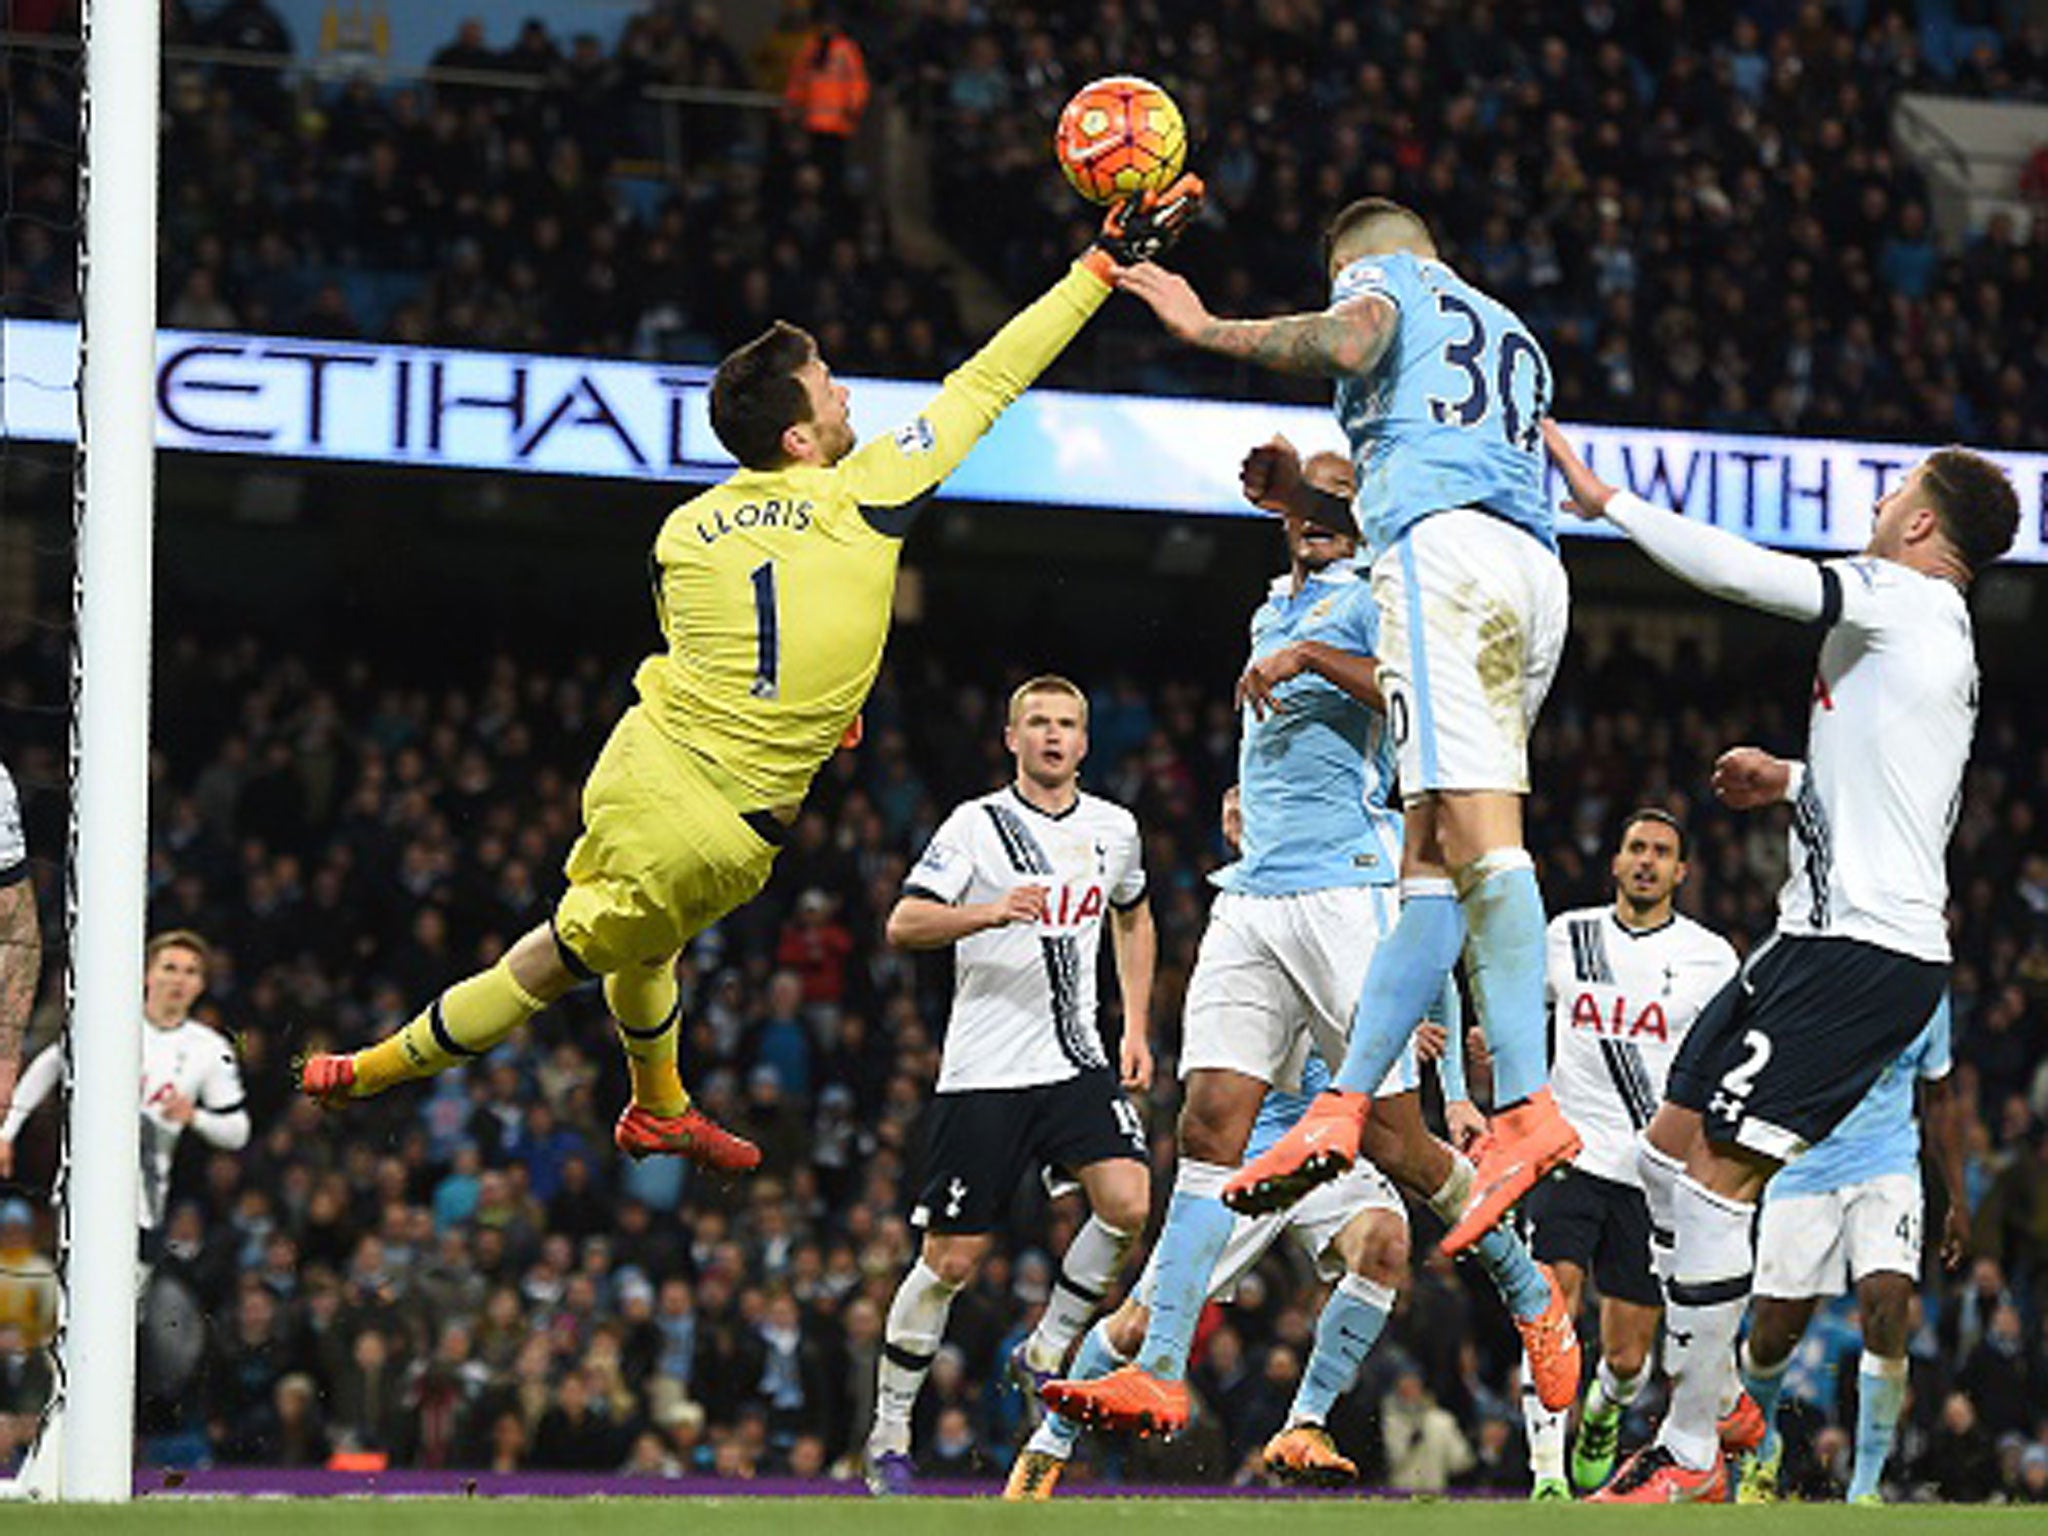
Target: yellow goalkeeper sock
{"type": "Point", "coordinates": [465, 1021]}
{"type": "Point", "coordinates": [646, 1010]}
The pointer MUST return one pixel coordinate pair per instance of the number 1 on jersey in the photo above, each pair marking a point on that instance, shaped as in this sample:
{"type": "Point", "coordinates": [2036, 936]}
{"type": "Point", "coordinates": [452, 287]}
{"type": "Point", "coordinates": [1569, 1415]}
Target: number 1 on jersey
{"type": "Point", "coordinates": [766, 641]}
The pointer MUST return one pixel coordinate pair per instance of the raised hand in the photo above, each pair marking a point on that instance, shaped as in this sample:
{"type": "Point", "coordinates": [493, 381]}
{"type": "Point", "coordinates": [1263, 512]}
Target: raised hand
{"type": "Point", "coordinates": [1271, 475]}
{"type": "Point", "coordinates": [1589, 493]}
{"type": "Point", "coordinates": [1748, 777]}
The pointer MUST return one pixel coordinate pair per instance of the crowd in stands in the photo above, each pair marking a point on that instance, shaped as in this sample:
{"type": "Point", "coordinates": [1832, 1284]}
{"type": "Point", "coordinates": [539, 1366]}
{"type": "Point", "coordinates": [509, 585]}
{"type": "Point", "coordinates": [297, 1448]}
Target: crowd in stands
{"type": "Point", "coordinates": [462, 1274]}
{"type": "Point", "coordinates": [1700, 209]}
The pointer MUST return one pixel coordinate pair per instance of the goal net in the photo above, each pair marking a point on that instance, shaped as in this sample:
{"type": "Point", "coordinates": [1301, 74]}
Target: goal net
{"type": "Point", "coordinates": [77, 330]}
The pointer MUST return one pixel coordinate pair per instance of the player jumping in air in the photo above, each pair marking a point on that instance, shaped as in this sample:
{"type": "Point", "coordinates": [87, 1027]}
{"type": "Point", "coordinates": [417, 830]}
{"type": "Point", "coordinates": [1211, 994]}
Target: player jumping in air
{"type": "Point", "coordinates": [1289, 939]}
{"type": "Point", "coordinates": [1861, 953]}
{"type": "Point", "coordinates": [774, 591]}
{"type": "Point", "coordinates": [1441, 391]}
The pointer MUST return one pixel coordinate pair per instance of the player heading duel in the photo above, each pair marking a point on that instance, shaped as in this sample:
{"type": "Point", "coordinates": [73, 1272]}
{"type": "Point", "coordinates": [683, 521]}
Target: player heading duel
{"type": "Point", "coordinates": [1860, 956]}
{"type": "Point", "coordinates": [1441, 391]}
{"type": "Point", "coordinates": [774, 590]}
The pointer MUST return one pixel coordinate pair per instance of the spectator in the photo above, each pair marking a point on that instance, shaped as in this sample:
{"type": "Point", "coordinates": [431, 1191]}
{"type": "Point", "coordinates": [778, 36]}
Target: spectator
{"type": "Point", "coordinates": [1961, 1463]}
{"type": "Point", "coordinates": [1425, 1448]}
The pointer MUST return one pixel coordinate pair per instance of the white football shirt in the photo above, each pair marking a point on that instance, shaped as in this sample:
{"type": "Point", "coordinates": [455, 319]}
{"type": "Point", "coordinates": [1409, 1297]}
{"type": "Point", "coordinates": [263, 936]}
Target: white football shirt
{"type": "Point", "coordinates": [1622, 1001]}
{"type": "Point", "coordinates": [1894, 707]}
{"type": "Point", "coordinates": [1024, 996]}
{"type": "Point", "coordinates": [192, 1059]}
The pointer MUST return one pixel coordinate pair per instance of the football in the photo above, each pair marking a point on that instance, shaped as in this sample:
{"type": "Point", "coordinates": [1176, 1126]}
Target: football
{"type": "Point", "coordinates": [1118, 136]}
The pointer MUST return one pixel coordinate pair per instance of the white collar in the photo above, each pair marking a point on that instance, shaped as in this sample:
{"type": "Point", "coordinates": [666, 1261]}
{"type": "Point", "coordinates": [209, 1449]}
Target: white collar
{"type": "Point", "coordinates": [1338, 574]}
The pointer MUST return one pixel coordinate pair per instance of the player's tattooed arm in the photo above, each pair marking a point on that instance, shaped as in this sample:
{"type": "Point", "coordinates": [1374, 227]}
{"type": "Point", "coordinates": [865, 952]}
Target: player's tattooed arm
{"type": "Point", "coordinates": [1347, 338]}
{"type": "Point", "coordinates": [21, 963]}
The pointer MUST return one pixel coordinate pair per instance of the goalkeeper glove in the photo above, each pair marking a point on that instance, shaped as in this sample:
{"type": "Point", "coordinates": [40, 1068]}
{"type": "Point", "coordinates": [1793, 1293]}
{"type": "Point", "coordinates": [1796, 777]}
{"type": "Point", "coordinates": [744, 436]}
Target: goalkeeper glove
{"type": "Point", "coordinates": [1143, 227]}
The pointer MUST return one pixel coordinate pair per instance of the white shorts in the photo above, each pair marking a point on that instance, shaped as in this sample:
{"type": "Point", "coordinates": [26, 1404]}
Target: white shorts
{"type": "Point", "coordinates": [1314, 1222]}
{"type": "Point", "coordinates": [1821, 1245]}
{"type": "Point", "coordinates": [1277, 974]}
{"type": "Point", "coordinates": [1473, 614]}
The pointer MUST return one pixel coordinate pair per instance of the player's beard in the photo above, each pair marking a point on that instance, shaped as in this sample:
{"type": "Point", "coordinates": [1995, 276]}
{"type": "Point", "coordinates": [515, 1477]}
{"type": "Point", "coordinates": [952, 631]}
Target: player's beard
{"type": "Point", "coordinates": [1640, 908]}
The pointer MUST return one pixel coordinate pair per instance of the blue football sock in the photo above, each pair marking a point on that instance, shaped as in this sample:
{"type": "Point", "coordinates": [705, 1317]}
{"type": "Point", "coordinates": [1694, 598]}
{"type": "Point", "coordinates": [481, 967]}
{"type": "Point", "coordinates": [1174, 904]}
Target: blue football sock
{"type": "Point", "coordinates": [1880, 1390]}
{"type": "Point", "coordinates": [1405, 980]}
{"type": "Point", "coordinates": [1345, 1334]}
{"type": "Point", "coordinates": [1508, 1263]}
{"type": "Point", "coordinates": [1183, 1260]}
{"type": "Point", "coordinates": [1763, 1384]}
{"type": "Point", "coordinates": [1093, 1360]}
{"type": "Point", "coordinates": [1505, 968]}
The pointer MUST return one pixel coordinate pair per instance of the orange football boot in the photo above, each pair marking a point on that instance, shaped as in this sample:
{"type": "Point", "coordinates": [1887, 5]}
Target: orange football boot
{"type": "Point", "coordinates": [1128, 1398]}
{"type": "Point", "coordinates": [642, 1133]}
{"type": "Point", "coordinates": [1742, 1427]}
{"type": "Point", "coordinates": [1307, 1457]}
{"type": "Point", "coordinates": [327, 1080]}
{"type": "Point", "coordinates": [1524, 1144]}
{"type": "Point", "coordinates": [1653, 1476]}
{"type": "Point", "coordinates": [1322, 1146]}
{"type": "Point", "coordinates": [1552, 1344]}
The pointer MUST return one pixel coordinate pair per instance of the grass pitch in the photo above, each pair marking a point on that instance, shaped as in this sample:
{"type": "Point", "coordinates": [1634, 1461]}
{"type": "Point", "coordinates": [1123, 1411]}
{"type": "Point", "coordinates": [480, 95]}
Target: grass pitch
{"type": "Point", "coordinates": [161, 1516]}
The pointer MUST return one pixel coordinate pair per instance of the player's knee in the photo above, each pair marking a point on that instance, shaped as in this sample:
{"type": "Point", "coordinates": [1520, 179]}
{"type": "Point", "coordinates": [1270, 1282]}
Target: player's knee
{"type": "Point", "coordinates": [1886, 1300]}
{"type": "Point", "coordinates": [1212, 1131]}
{"type": "Point", "coordinates": [1625, 1358]}
{"type": "Point", "coordinates": [1377, 1249]}
{"type": "Point", "coordinates": [538, 965]}
{"type": "Point", "coordinates": [954, 1259]}
{"type": "Point", "coordinates": [1127, 1208]}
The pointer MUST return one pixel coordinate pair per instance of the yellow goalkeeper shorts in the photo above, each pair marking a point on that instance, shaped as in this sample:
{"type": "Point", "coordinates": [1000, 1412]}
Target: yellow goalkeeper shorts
{"type": "Point", "coordinates": [663, 854]}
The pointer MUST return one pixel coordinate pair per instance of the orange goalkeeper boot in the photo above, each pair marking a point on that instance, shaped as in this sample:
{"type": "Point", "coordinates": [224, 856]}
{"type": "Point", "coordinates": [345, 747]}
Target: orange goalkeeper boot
{"type": "Point", "coordinates": [1128, 1398]}
{"type": "Point", "coordinates": [1322, 1146]}
{"type": "Point", "coordinates": [642, 1133]}
{"type": "Point", "coordinates": [1524, 1144]}
{"type": "Point", "coordinates": [328, 1081]}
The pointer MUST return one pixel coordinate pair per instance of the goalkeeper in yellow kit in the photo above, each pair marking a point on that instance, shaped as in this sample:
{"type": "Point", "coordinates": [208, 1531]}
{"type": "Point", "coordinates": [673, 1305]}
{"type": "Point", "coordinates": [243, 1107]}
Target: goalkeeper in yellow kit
{"type": "Point", "coordinates": [774, 589]}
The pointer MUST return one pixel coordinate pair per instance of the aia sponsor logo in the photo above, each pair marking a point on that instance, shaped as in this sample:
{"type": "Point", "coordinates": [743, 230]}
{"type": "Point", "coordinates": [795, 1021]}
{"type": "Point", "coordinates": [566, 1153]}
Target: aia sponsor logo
{"type": "Point", "coordinates": [1619, 1021]}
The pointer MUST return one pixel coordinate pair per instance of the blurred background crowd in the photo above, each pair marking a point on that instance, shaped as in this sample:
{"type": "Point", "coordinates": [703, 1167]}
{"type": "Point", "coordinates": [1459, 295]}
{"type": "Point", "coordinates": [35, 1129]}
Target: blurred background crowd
{"type": "Point", "coordinates": [464, 1275]}
{"type": "Point", "coordinates": [1707, 224]}
{"type": "Point", "coordinates": [1701, 209]}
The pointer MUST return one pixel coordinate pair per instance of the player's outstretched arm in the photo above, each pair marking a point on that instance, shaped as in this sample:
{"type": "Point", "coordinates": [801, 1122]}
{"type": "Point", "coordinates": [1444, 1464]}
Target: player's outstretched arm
{"type": "Point", "coordinates": [1711, 559]}
{"type": "Point", "coordinates": [1345, 339]}
{"type": "Point", "coordinates": [910, 462]}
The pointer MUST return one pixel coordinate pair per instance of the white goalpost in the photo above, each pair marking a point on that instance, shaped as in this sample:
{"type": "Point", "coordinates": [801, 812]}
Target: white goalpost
{"type": "Point", "coordinates": [86, 1453]}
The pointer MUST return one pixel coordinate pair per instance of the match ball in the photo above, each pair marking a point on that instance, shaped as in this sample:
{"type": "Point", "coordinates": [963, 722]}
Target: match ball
{"type": "Point", "coordinates": [1120, 135]}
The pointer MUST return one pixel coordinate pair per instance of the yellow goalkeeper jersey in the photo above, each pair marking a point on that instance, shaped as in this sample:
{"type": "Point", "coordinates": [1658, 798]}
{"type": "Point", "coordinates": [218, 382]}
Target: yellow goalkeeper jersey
{"type": "Point", "coordinates": [775, 586]}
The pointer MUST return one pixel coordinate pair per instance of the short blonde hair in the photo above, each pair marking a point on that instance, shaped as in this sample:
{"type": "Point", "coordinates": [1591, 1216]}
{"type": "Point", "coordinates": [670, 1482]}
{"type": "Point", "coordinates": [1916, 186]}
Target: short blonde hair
{"type": "Point", "coordinates": [1046, 682]}
{"type": "Point", "coordinates": [178, 938]}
